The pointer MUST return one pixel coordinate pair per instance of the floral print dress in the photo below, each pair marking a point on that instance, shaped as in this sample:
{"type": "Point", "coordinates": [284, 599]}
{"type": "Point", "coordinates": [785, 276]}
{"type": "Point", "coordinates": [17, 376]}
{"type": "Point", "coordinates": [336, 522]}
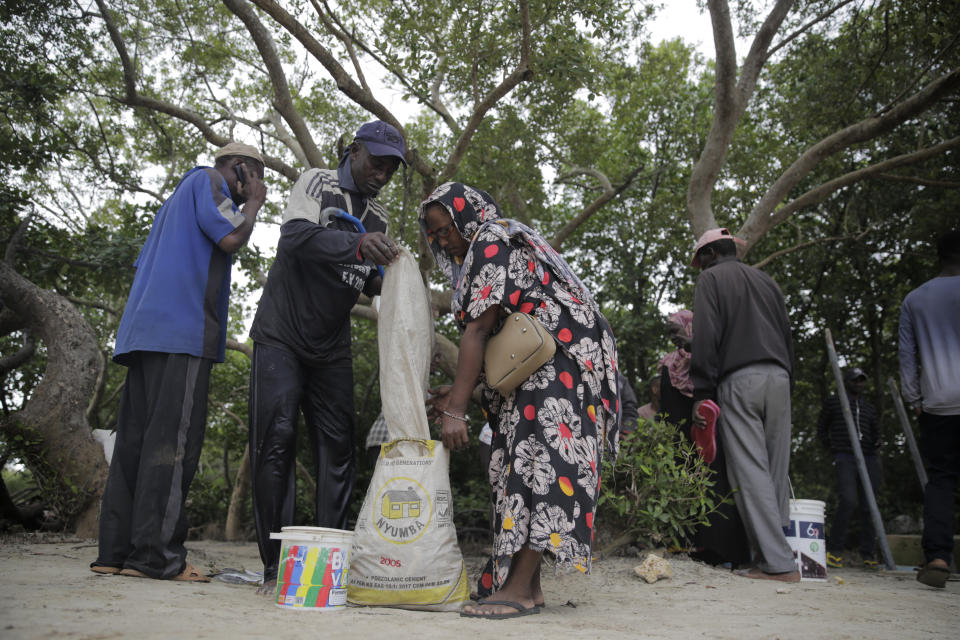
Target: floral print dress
{"type": "Point", "coordinates": [550, 432]}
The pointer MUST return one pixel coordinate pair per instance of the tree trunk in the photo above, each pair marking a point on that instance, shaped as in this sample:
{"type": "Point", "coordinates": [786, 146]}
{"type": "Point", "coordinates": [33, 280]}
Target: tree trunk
{"type": "Point", "coordinates": [241, 487]}
{"type": "Point", "coordinates": [51, 431]}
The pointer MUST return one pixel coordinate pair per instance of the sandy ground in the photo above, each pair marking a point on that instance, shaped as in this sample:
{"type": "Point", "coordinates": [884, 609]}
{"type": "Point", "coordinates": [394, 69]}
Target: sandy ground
{"type": "Point", "coordinates": [47, 591]}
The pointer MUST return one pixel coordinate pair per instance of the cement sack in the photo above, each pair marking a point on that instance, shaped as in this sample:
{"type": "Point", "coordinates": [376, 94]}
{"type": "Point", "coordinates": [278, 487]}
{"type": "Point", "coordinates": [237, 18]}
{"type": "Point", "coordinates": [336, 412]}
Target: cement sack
{"type": "Point", "coordinates": [405, 551]}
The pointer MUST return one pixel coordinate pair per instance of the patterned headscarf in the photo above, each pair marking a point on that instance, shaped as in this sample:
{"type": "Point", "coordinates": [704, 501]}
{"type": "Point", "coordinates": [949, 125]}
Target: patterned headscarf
{"type": "Point", "coordinates": [469, 209]}
{"type": "Point", "coordinates": [678, 362]}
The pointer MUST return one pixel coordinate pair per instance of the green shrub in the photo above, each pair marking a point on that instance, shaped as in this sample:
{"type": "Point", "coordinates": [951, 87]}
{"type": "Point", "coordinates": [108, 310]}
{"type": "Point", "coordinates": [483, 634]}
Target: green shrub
{"type": "Point", "coordinates": [659, 490]}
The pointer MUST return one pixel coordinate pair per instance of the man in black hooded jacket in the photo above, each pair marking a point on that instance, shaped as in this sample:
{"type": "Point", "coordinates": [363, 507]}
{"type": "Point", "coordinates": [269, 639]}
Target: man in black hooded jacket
{"type": "Point", "coordinates": [834, 435]}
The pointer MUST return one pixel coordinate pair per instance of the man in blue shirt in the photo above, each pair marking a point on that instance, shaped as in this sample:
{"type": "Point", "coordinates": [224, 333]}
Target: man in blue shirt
{"type": "Point", "coordinates": [301, 333]}
{"type": "Point", "coordinates": [930, 381]}
{"type": "Point", "coordinates": [172, 331]}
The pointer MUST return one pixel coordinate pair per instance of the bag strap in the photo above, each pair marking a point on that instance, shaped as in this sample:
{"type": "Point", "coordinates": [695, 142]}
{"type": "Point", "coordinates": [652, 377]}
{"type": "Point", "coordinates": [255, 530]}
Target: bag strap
{"type": "Point", "coordinates": [429, 445]}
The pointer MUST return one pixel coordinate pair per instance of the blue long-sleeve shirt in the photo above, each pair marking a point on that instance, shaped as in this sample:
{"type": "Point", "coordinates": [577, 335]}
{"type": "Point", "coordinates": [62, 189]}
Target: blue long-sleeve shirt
{"type": "Point", "coordinates": [930, 346]}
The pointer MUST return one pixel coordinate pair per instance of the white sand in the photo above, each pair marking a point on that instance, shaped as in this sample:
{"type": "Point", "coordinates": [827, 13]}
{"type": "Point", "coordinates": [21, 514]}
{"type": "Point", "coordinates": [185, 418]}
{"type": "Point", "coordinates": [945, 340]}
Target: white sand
{"type": "Point", "coordinates": [48, 591]}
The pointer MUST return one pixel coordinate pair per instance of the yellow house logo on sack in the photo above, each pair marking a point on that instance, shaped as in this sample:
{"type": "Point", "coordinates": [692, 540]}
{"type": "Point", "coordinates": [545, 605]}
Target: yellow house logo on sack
{"type": "Point", "coordinates": [401, 504]}
{"type": "Point", "coordinates": [404, 512]}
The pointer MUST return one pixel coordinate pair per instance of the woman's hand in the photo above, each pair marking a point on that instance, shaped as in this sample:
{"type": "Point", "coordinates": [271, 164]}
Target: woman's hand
{"type": "Point", "coordinates": [454, 432]}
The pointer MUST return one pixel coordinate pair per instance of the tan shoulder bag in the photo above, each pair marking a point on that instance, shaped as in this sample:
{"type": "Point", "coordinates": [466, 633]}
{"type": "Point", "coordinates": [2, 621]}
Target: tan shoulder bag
{"type": "Point", "coordinates": [522, 346]}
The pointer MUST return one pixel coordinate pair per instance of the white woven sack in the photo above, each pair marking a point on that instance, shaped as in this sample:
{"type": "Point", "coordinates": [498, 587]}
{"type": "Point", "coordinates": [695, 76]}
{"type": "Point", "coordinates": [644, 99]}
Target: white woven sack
{"type": "Point", "coordinates": [405, 338]}
{"type": "Point", "coordinates": [405, 551]}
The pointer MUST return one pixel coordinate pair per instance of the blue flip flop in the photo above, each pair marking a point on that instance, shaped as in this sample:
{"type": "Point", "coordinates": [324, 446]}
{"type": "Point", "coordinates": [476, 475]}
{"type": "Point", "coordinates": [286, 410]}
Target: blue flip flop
{"type": "Point", "coordinates": [520, 610]}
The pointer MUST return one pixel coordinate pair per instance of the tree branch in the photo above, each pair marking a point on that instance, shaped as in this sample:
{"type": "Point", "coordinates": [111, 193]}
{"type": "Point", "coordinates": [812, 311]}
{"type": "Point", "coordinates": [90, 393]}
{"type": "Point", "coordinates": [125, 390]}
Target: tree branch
{"type": "Point", "coordinates": [760, 219]}
{"type": "Point", "coordinates": [731, 97]}
{"type": "Point", "coordinates": [920, 75]}
{"type": "Point", "coordinates": [926, 182]}
{"type": "Point", "coordinates": [333, 25]}
{"type": "Point", "coordinates": [134, 99]}
{"type": "Point", "coordinates": [803, 245]}
{"type": "Point", "coordinates": [432, 101]}
{"type": "Point", "coordinates": [343, 80]}
{"type": "Point", "coordinates": [243, 348]}
{"type": "Point", "coordinates": [365, 311]}
{"type": "Point", "coordinates": [16, 240]}
{"type": "Point", "coordinates": [609, 193]}
{"type": "Point", "coordinates": [522, 73]}
{"type": "Point", "coordinates": [283, 101]}
{"type": "Point", "coordinates": [819, 194]}
{"type": "Point", "coordinates": [284, 136]}
{"type": "Point", "coordinates": [92, 303]}
{"type": "Point", "coordinates": [23, 354]}
{"type": "Point", "coordinates": [806, 27]}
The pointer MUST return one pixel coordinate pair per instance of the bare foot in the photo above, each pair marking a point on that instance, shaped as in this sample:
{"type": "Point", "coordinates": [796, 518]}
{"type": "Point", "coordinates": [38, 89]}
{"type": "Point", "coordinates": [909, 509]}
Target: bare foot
{"type": "Point", "coordinates": [268, 588]}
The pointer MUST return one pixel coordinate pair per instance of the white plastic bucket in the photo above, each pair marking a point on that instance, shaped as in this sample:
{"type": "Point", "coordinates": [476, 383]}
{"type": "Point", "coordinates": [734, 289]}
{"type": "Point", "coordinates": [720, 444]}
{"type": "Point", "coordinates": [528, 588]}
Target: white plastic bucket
{"type": "Point", "coordinates": [807, 537]}
{"type": "Point", "coordinates": [313, 569]}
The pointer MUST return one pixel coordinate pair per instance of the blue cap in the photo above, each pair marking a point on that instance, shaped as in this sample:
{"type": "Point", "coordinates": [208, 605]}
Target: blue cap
{"type": "Point", "coordinates": [382, 139]}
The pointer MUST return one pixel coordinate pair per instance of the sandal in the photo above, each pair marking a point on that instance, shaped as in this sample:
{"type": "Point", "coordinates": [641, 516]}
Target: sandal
{"type": "Point", "coordinates": [104, 570]}
{"type": "Point", "coordinates": [934, 576]}
{"type": "Point", "coordinates": [190, 574]}
{"type": "Point", "coordinates": [474, 596]}
{"type": "Point", "coordinates": [520, 610]}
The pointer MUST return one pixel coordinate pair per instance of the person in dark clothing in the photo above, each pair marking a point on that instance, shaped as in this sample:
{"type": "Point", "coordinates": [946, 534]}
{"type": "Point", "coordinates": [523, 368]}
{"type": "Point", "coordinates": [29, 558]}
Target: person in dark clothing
{"type": "Point", "coordinates": [833, 434]}
{"type": "Point", "coordinates": [628, 402]}
{"type": "Point", "coordinates": [301, 333]}
{"type": "Point", "coordinates": [174, 327]}
{"type": "Point", "coordinates": [723, 539]}
{"type": "Point", "coordinates": [742, 357]}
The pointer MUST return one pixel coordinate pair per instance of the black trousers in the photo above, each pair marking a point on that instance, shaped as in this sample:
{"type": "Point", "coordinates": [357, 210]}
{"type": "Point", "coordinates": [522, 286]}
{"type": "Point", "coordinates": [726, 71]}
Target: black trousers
{"type": "Point", "coordinates": [851, 491]}
{"type": "Point", "coordinates": [280, 387]}
{"type": "Point", "coordinates": [160, 428]}
{"type": "Point", "coordinates": [940, 449]}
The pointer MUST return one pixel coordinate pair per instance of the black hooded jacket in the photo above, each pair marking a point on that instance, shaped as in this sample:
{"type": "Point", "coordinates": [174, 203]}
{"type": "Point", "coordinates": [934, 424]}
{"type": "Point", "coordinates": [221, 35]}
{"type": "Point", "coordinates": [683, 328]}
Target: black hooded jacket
{"type": "Point", "coordinates": [832, 428]}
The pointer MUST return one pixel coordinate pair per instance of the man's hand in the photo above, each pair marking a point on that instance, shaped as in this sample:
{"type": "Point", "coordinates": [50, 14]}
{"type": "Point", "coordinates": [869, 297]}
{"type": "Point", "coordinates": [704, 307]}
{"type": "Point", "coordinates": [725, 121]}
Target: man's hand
{"type": "Point", "coordinates": [698, 420]}
{"type": "Point", "coordinates": [253, 194]}
{"type": "Point", "coordinates": [378, 247]}
{"type": "Point", "coordinates": [254, 191]}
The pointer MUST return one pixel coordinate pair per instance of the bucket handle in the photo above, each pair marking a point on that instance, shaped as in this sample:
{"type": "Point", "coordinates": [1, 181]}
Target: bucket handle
{"type": "Point", "coordinates": [430, 445]}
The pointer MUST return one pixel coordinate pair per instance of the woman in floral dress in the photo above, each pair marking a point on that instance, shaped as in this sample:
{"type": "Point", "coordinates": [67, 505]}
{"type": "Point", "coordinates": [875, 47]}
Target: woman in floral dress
{"type": "Point", "coordinates": [550, 433]}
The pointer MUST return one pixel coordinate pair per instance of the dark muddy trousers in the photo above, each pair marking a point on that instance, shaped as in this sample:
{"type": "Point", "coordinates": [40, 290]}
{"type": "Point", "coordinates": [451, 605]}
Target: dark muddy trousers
{"type": "Point", "coordinates": [280, 387]}
{"type": "Point", "coordinates": [160, 427]}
